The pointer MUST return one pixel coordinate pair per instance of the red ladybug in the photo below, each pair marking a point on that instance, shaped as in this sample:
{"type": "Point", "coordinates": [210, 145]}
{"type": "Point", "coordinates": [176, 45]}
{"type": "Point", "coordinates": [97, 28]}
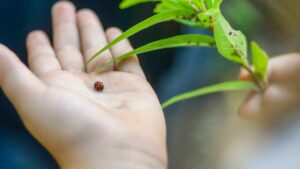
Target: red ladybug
{"type": "Point", "coordinates": [98, 86]}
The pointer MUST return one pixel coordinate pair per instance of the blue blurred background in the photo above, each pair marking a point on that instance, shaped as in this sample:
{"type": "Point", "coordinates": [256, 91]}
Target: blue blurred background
{"type": "Point", "coordinates": [170, 72]}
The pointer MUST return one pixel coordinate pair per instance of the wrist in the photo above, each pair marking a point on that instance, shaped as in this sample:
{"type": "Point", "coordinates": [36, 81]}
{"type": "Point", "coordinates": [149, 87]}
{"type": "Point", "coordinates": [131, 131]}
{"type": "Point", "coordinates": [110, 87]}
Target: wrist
{"type": "Point", "coordinates": [132, 153]}
{"type": "Point", "coordinates": [128, 160]}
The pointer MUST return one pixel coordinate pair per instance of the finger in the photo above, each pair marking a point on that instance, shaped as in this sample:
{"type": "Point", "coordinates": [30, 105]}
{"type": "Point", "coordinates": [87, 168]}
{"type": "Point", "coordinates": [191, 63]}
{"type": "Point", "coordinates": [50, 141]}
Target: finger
{"type": "Point", "coordinates": [285, 67]}
{"type": "Point", "coordinates": [280, 94]}
{"type": "Point", "coordinates": [251, 106]}
{"type": "Point", "coordinates": [41, 56]}
{"type": "Point", "coordinates": [18, 83]}
{"type": "Point", "coordinates": [93, 38]}
{"type": "Point", "coordinates": [270, 103]}
{"type": "Point", "coordinates": [245, 75]}
{"type": "Point", "coordinates": [277, 69]}
{"type": "Point", "coordinates": [131, 64]}
{"type": "Point", "coordinates": [66, 36]}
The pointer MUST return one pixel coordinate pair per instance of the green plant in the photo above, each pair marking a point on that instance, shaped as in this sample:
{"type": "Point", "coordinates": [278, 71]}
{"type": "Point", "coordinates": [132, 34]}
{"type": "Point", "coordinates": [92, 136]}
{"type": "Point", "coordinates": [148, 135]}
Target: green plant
{"type": "Point", "coordinates": [202, 14]}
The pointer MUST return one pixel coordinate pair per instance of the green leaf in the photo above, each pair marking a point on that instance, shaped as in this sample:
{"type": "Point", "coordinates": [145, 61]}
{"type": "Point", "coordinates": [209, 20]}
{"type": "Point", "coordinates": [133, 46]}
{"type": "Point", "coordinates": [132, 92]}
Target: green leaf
{"type": "Point", "coordinates": [173, 42]}
{"type": "Point", "coordinates": [139, 27]}
{"type": "Point", "coordinates": [260, 61]}
{"type": "Point", "coordinates": [222, 87]}
{"type": "Point", "coordinates": [129, 3]}
{"type": "Point", "coordinates": [231, 44]}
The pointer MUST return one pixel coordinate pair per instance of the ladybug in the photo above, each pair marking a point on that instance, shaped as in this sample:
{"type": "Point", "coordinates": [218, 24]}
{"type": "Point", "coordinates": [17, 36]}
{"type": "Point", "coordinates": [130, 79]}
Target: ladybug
{"type": "Point", "coordinates": [98, 86]}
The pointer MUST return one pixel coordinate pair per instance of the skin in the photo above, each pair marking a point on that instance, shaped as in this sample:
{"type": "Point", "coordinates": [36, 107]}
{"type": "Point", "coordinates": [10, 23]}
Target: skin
{"type": "Point", "coordinates": [123, 126]}
{"type": "Point", "coordinates": [282, 94]}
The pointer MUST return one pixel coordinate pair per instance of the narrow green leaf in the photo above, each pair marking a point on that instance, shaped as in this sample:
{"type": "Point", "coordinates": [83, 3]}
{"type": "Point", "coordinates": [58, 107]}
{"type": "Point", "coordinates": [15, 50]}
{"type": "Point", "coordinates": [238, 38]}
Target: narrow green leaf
{"type": "Point", "coordinates": [222, 87]}
{"type": "Point", "coordinates": [139, 27]}
{"type": "Point", "coordinates": [209, 4]}
{"type": "Point", "coordinates": [188, 4]}
{"type": "Point", "coordinates": [217, 4]}
{"type": "Point", "coordinates": [173, 42]}
{"type": "Point", "coordinates": [231, 44]}
{"type": "Point", "coordinates": [200, 4]}
{"type": "Point", "coordinates": [213, 4]}
{"type": "Point", "coordinates": [260, 60]}
{"type": "Point", "coordinates": [129, 3]}
{"type": "Point", "coordinates": [168, 6]}
{"type": "Point", "coordinates": [192, 23]}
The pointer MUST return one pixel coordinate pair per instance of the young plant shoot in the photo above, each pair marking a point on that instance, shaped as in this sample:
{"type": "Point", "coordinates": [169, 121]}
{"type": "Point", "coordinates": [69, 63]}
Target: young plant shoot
{"type": "Point", "coordinates": [201, 14]}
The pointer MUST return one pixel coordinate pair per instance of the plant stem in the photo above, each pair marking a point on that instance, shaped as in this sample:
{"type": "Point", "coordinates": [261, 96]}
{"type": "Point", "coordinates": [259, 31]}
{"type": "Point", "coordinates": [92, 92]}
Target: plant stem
{"type": "Point", "coordinates": [259, 82]}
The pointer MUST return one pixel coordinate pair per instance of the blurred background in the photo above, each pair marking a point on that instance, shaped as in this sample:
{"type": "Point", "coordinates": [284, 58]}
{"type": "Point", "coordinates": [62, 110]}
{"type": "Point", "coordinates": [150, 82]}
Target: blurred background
{"type": "Point", "coordinates": [198, 129]}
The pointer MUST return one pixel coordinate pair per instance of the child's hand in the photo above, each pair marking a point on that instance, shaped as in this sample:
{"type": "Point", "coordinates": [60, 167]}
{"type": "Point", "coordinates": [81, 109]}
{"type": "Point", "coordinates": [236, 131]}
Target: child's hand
{"type": "Point", "coordinates": [121, 127]}
{"type": "Point", "coordinates": [282, 94]}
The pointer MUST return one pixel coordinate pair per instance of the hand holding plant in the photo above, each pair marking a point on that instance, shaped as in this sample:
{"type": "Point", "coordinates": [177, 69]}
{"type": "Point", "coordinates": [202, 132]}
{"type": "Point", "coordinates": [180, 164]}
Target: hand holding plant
{"type": "Point", "coordinates": [281, 96]}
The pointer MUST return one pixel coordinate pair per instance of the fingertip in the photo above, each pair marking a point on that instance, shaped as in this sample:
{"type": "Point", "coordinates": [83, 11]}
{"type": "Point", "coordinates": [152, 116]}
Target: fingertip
{"type": "Point", "coordinates": [36, 33]}
{"type": "Point", "coordinates": [63, 12]}
{"type": "Point", "coordinates": [250, 107]}
{"type": "Point", "coordinates": [243, 113]}
{"type": "Point", "coordinates": [35, 36]}
{"type": "Point", "coordinates": [88, 20]}
{"type": "Point", "coordinates": [63, 5]}
{"type": "Point", "coordinates": [244, 75]}
{"type": "Point", "coordinates": [113, 32]}
{"type": "Point", "coordinates": [86, 13]}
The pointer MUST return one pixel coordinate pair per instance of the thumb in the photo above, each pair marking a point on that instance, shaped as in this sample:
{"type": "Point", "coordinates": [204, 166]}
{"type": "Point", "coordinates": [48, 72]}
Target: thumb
{"type": "Point", "coordinates": [268, 104]}
{"type": "Point", "coordinates": [16, 80]}
{"type": "Point", "coordinates": [280, 96]}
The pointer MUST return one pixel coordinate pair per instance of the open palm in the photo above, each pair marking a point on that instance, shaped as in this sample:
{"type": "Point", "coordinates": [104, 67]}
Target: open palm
{"type": "Point", "coordinates": [57, 101]}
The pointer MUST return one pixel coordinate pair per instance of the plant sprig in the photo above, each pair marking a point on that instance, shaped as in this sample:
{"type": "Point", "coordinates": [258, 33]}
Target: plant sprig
{"type": "Point", "coordinates": [202, 14]}
{"type": "Point", "coordinates": [188, 40]}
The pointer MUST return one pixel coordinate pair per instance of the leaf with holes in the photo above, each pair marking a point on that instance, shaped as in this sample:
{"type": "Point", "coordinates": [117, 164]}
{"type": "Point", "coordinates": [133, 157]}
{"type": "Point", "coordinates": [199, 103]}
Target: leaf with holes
{"type": "Point", "coordinates": [231, 44]}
